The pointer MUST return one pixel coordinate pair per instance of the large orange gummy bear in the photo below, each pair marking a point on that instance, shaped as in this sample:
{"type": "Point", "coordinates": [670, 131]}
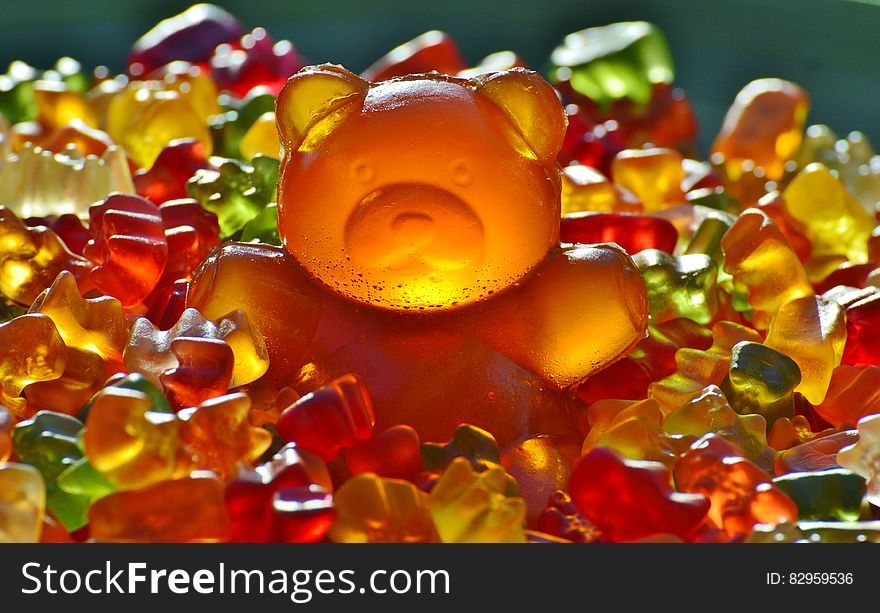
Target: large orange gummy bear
{"type": "Point", "coordinates": [420, 222]}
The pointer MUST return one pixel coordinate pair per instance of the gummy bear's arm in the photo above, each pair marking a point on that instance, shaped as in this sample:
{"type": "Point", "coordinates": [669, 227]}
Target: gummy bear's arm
{"type": "Point", "coordinates": [281, 302]}
{"type": "Point", "coordinates": [582, 309]}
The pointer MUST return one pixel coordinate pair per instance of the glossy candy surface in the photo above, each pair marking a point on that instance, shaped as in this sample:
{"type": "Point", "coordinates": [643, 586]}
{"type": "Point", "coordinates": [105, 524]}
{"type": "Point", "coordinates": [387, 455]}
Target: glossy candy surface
{"type": "Point", "coordinates": [247, 298]}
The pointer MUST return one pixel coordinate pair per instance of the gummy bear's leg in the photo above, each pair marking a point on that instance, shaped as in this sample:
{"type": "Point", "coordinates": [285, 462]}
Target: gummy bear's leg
{"type": "Point", "coordinates": [584, 308]}
{"type": "Point", "coordinates": [281, 302]}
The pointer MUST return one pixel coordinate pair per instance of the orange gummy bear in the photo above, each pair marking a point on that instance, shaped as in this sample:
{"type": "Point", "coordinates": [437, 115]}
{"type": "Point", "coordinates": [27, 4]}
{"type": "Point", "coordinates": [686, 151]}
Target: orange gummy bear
{"type": "Point", "coordinates": [420, 219]}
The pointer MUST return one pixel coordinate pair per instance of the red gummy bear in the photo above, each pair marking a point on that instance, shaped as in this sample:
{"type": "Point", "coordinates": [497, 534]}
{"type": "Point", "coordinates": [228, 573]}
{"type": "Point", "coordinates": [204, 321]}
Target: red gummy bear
{"type": "Point", "coordinates": [128, 247]}
{"type": "Point", "coordinates": [269, 503]}
{"type": "Point", "coordinates": [432, 50]}
{"type": "Point", "coordinates": [629, 500]}
{"type": "Point", "coordinates": [166, 179]}
{"type": "Point", "coordinates": [632, 232]}
{"type": "Point", "coordinates": [334, 416]}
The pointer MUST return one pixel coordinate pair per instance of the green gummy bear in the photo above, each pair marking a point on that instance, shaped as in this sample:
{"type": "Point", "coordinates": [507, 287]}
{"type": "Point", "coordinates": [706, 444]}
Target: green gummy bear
{"type": "Point", "coordinates": [49, 442]}
{"type": "Point", "coordinates": [17, 101]}
{"type": "Point", "coordinates": [761, 380]}
{"type": "Point", "coordinates": [264, 227]}
{"type": "Point", "coordinates": [468, 441]}
{"type": "Point", "coordinates": [678, 286]}
{"type": "Point", "coordinates": [832, 495]}
{"type": "Point", "coordinates": [236, 191]}
{"type": "Point", "coordinates": [608, 63]}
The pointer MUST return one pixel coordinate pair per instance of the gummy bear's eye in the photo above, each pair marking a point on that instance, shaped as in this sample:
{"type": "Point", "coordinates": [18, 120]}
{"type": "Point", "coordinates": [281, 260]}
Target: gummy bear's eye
{"type": "Point", "coordinates": [363, 172]}
{"type": "Point", "coordinates": [461, 173]}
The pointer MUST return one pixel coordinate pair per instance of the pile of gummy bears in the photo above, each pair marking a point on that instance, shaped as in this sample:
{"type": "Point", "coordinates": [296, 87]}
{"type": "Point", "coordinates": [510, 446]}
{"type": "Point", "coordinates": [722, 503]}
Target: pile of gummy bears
{"type": "Point", "coordinates": [247, 299]}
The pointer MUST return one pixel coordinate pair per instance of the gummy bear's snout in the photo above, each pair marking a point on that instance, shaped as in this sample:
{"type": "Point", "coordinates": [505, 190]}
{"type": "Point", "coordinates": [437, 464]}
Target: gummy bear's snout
{"type": "Point", "coordinates": [414, 229]}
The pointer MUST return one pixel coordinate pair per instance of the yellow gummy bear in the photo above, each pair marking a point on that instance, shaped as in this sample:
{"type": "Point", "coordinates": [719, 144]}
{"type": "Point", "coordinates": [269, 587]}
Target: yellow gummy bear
{"type": "Point", "coordinates": [261, 138]}
{"type": "Point", "coordinates": [654, 175]}
{"type": "Point", "coordinates": [470, 507]}
{"type": "Point", "coordinates": [812, 332]}
{"type": "Point", "coordinates": [371, 509]}
{"type": "Point", "coordinates": [22, 503]}
{"type": "Point", "coordinates": [836, 223]}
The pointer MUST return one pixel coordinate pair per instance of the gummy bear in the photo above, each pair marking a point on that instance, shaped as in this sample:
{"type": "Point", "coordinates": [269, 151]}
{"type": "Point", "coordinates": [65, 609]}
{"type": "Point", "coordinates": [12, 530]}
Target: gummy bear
{"type": "Point", "coordinates": [537, 467]}
{"type": "Point", "coordinates": [152, 352]}
{"type": "Point", "coordinates": [635, 431]}
{"type": "Point", "coordinates": [191, 36]}
{"type": "Point", "coordinates": [709, 412]}
{"type": "Point", "coordinates": [432, 50]}
{"type": "Point", "coordinates": [420, 237]}
{"type": "Point", "coordinates": [834, 221]}
{"type": "Point", "coordinates": [862, 317]}
{"type": "Point", "coordinates": [334, 416]}
{"type": "Point", "coordinates": [561, 518]}
{"type": "Point", "coordinates": [218, 435]}
{"type": "Point", "coordinates": [759, 258]}
{"type": "Point", "coordinates": [827, 495]}
{"type": "Point", "coordinates": [146, 116]}
{"type": "Point", "coordinates": [166, 179]}
{"type": "Point", "coordinates": [742, 495]}
{"type": "Point", "coordinates": [370, 509]}
{"type": "Point", "coordinates": [761, 380]}
{"type": "Point", "coordinates": [39, 183]}
{"type": "Point", "coordinates": [697, 368]}
{"type": "Point", "coordinates": [236, 191]}
{"type": "Point", "coordinates": [291, 474]}
{"type": "Point", "coordinates": [50, 442]}
{"type": "Point", "coordinates": [31, 258]}
{"type": "Point", "coordinates": [632, 232]}
{"type": "Point", "coordinates": [812, 332]}
{"type": "Point", "coordinates": [853, 393]}
{"type": "Point", "coordinates": [678, 286]}
{"type": "Point", "coordinates": [629, 500]}
{"type": "Point", "coordinates": [128, 441]}
{"type": "Point", "coordinates": [22, 503]}
{"type": "Point", "coordinates": [764, 126]}
{"type": "Point", "coordinates": [32, 351]}
{"type": "Point", "coordinates": [470, 507]}
{"type": "Point", "coordinates": [607, 63]}
{"type": "Point", "coordinates": [817, 454]}
{"type": "Point", "coordinates": [255, 60]}
{"type": "Point", "coordinates": [185, 510]}
{"type": "Point", "coordinates": [863, 458]}
{"type": "Point", "coordinates": [128, 247]}
{"type": "Point", "coordinates": [653, 175]}
{"type": "Point", "coordinates": [90, 324]}
{"type": "Point", "coordinates": [585, 189]}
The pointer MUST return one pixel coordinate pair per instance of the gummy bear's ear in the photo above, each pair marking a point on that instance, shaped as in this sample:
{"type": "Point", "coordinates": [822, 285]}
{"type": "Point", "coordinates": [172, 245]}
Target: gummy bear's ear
{"type": "Point", "coordinates": [311, 95]}
{"type": "Point", "coordinates": [532, 107]}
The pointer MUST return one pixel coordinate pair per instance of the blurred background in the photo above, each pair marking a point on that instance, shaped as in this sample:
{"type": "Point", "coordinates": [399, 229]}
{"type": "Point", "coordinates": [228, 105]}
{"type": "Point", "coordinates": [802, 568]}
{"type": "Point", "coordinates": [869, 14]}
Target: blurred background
{"type": "Point", "coordinates": [828, 46]}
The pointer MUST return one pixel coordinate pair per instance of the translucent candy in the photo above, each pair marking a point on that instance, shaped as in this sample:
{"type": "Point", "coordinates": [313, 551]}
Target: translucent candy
{"type": "Point", "coordinates": [371, 509]}
{"type": "Point", "coordinates": [36, 182]}
{"type": "Point", "coordinates": [764, 126]}
{"type": "Point", "coordinates": [621, 60]}
{"type": "Point", "coordinates": [471, 507]}
{"type": "Point", "coordinates": [864, 456]}
{"type": "Point", "coordinates": [22, 503]}
{"type": "Point", "coordinates": [395, 236]}
{"type": "Point", "coordinates": [31, 258]}
{"type": "Point", "coordinates": [186, 510]}
{"type": "Point", "coordinates": [150, 350]}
